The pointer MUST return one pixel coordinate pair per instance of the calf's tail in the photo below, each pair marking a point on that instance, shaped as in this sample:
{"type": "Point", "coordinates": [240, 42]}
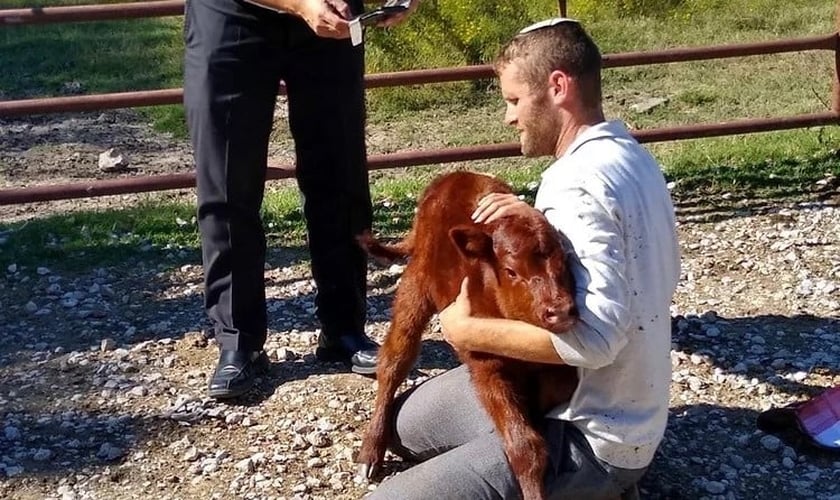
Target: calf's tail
{"type": "Point", "coordinates": [386, 252]}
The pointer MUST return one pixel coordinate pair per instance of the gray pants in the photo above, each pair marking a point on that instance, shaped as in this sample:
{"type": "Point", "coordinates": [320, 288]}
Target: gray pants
{"type": "Point", "coordinates": [442, 424]}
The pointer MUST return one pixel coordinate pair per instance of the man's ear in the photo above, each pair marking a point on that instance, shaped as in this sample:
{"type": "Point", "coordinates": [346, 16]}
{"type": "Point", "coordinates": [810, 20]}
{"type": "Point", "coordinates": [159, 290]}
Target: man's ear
{"type": "Point", "coordinates": [558, 85]}
{"type": "Point", "coordinates": [472, 241]}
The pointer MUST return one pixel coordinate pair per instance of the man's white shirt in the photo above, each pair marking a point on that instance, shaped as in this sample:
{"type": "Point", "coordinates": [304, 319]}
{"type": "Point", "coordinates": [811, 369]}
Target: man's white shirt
{"type": "Point", "coordinates": [608, 196]}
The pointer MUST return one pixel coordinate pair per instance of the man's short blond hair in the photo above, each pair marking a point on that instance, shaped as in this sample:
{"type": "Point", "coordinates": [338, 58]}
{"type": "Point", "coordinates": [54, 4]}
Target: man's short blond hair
{"type": "Point", "coordinates": [563, 46]}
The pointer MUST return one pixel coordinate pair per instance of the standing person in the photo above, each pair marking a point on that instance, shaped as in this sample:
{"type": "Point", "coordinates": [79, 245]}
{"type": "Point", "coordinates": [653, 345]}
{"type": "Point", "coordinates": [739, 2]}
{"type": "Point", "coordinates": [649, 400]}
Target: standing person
{"type": "Point", "coordinates": [237, 52]}
{"type": "Point", "coordinates": [607, 195]}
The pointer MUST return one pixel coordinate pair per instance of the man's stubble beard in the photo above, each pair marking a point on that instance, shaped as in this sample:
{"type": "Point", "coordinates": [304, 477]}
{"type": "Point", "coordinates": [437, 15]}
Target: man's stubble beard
{"type": "Point", "coordinates": [540, 133]}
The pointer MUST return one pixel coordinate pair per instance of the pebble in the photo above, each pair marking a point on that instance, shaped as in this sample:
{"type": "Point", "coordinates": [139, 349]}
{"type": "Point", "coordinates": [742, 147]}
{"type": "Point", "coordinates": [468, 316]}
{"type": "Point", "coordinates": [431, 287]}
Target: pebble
{"type": "Point", "coordinates": [138, 391]}
{"type": "Point", "coordinates": [245, 465]}
{"type": "Point", "coordinates": [12, 433]}
{"type": "Point", "coordinates": [109, 452]}
{"type": "Point", "coordinates": [770, 443]}
{"type": "Point", "coordinates": [210, 466]}
{"type": "Point", "coordinates": [319, 439]}
{"type": "Point", "coordinates": [234, 418]}
{"type": "Point", "coordinates": [737, 461]}
{"type": "Point", "coordinates": [715, 487]}
{"type": "Point", "coordinates": [15, 470]}
{"type": "Point", "coordinates": [191, 455]}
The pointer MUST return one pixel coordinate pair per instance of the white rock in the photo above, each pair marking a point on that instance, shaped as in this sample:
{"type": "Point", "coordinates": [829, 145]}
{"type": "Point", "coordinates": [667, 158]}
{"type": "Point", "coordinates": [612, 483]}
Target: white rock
{"type": "Point", "coordinates": [191, 455]}
{"type": "Point", "coordinates": [210, 467]}
{"type": "Point", "coordinates": [245, 465]}
{"type": "Point", "coordinates": [112, 160]}
{"type": "Point", "coordinates": [234, 418]}
{"type": "Point", "coordinates": [319, 439]}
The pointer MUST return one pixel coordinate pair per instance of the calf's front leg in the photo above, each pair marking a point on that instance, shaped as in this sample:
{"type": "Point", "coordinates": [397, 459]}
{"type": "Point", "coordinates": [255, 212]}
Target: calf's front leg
{"type": "Point", "coordinates": [411, 313]}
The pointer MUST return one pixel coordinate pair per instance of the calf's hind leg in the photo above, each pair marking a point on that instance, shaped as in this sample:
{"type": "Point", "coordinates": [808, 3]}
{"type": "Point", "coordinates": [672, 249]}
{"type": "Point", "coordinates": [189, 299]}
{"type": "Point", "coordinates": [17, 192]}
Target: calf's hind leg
{"type": "Point", "coordinates": [412, 310]}
{"type": "Point", "coordinates": [524, 447]}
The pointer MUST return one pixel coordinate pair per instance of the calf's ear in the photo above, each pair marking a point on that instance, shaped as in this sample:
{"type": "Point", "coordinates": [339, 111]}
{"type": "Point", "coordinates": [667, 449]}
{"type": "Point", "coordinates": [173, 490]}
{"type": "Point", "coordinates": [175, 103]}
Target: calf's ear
{"type": "Point", "coordinates": [472, 242]}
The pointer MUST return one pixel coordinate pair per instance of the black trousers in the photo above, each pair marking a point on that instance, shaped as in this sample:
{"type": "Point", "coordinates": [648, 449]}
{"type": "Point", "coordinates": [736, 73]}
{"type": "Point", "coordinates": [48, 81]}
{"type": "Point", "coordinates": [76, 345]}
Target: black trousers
{"type": "Point", "coordinates": [236, 54]}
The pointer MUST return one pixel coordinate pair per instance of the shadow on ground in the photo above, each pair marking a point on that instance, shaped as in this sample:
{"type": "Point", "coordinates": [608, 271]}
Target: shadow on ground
{"type": "Point", "coordinates": [771, 348]}
{"type": "Point", "coordinates": [708, 442]}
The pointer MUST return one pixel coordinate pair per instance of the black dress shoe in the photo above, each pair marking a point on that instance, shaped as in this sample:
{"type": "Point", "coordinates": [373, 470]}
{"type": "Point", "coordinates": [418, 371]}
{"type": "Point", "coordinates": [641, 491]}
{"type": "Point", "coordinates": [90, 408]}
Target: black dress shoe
{"type": "Point", "coordinates": [356, 350]}
{"type": "Point", "coordinates": [235, 373]}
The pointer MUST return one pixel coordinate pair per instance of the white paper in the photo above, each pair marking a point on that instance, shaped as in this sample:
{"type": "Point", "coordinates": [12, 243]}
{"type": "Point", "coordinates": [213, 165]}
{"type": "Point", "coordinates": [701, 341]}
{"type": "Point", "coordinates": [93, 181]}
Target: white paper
{"type": "Point", "coordinates": [356, 32]}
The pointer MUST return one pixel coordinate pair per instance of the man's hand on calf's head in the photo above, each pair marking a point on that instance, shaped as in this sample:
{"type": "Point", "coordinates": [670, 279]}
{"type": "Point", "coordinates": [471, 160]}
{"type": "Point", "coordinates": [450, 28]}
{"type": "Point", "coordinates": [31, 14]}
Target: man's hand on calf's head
{"type": "Point", "coordinates": [496, 205]}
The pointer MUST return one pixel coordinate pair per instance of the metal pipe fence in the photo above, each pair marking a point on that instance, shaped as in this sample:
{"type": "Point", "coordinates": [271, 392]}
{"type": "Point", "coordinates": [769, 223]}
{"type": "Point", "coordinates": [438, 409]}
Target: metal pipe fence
{"type": "Point", "coordinates": [92, 102]}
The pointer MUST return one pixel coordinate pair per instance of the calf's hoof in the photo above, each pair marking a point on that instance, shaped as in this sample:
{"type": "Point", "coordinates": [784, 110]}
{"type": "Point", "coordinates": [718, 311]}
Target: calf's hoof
{"type": "Point", "coordinates": [365, 472]}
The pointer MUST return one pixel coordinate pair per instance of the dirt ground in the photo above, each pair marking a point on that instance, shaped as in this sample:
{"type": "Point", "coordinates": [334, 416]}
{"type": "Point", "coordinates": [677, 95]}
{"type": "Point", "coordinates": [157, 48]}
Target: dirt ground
{"type": "Point", "coordinates": [103, 369]}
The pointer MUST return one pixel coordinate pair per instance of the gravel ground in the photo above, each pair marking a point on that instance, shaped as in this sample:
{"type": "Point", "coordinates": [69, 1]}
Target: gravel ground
{"type": "Point", "coordinates": [103, 369]}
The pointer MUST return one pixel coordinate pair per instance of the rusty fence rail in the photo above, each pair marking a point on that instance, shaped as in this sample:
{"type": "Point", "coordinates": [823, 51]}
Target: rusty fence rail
{"type": "Point", "coordinates": [376, 162]}
{"type": "Point", "coordinates": [98, 12]}
{"type": "Point", "coordinates": [424, 76]}
{"type": "Point", "coordinates": [109, 12]}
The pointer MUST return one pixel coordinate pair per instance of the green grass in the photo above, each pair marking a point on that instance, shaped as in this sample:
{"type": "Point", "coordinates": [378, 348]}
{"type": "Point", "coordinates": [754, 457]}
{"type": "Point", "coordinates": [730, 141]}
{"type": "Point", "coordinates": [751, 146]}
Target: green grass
{"type": "Point", "coordinates": [166, 231]}
{"type": "Point", "coordinates": [94, 57]}
{"type": "Point", "coordinates": [84, 239]}
{"type": "Point", "coordinates": [146, 54]}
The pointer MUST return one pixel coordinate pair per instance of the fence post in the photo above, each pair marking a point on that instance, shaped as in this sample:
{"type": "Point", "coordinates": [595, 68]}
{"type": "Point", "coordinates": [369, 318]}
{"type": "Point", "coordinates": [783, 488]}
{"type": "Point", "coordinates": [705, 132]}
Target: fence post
{"type": "Point", "coordinates": [562, 5]}
{"type": "Point", "coordinates": [835, 94]}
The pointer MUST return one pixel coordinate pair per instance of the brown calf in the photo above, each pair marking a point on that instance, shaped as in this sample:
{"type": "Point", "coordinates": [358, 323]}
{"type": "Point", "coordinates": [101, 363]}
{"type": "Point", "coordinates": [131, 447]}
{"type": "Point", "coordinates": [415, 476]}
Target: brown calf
{"type": "Point", "coordinates": [516, 269]}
